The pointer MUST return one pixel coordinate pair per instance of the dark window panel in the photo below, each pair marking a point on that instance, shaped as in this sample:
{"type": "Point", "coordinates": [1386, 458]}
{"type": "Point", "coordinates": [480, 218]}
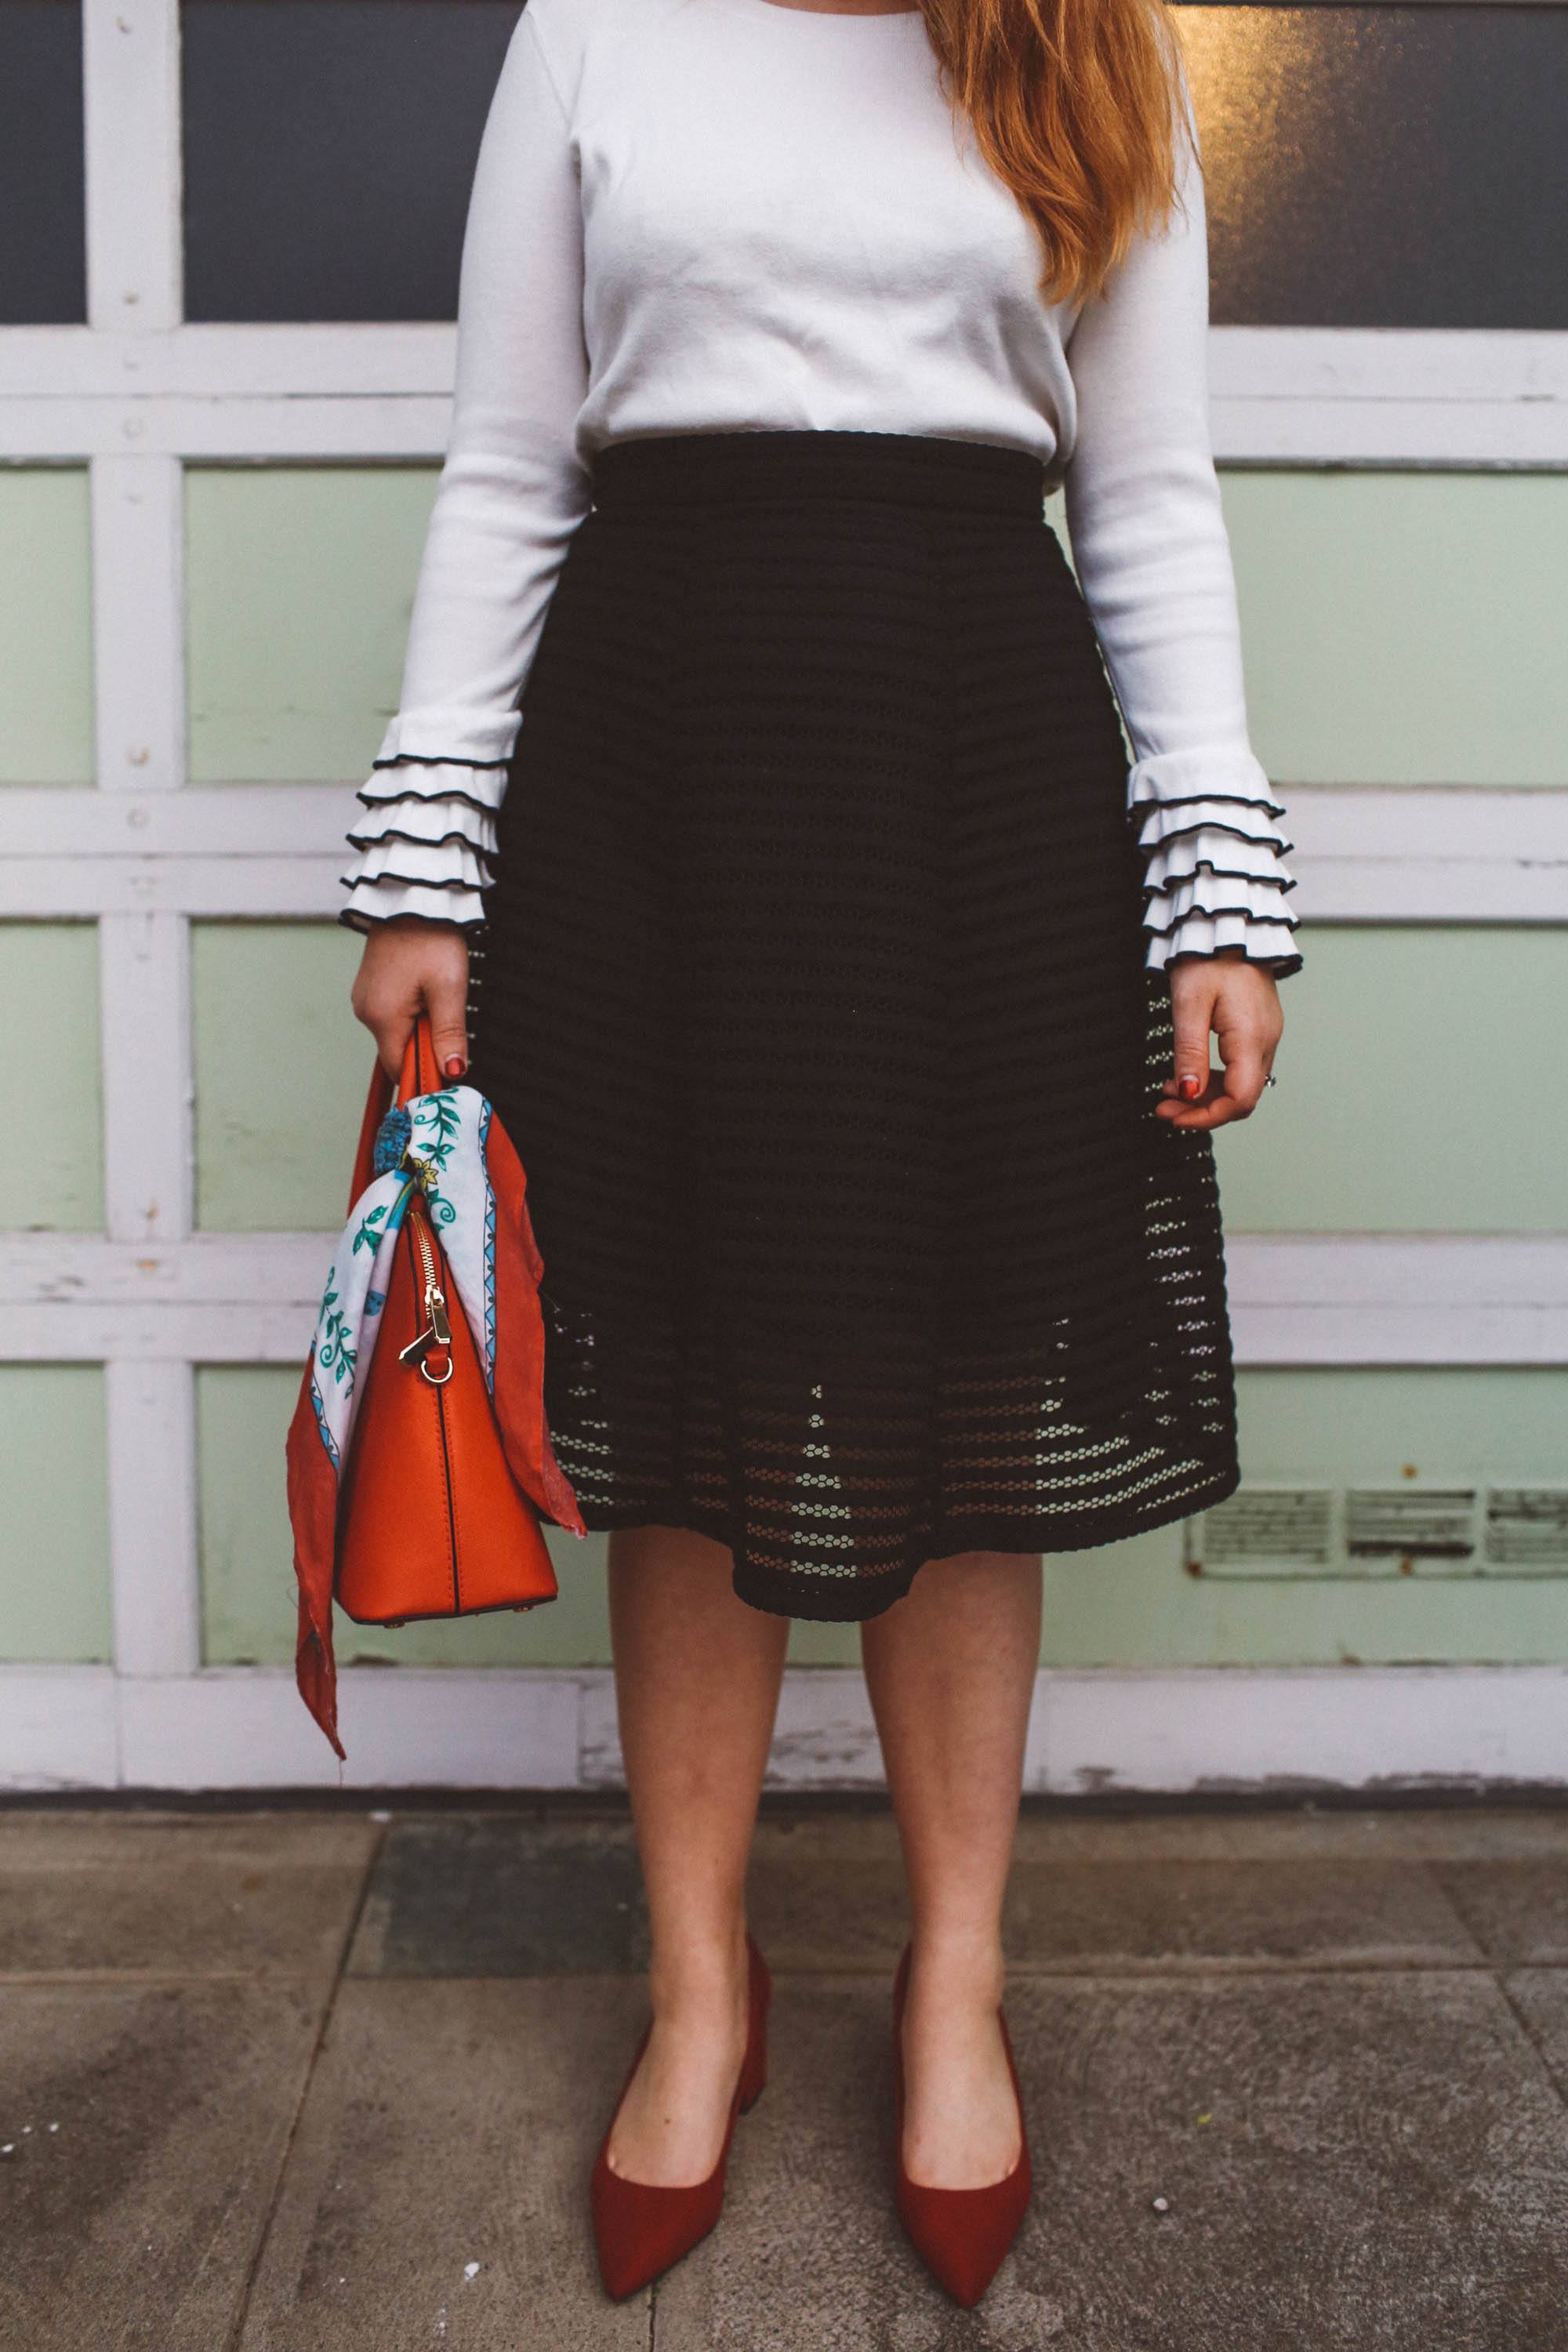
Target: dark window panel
{"type": "Point", "coordinates": [1399, 167]}
{"type": "Point", "coordinates": [1384, 166]}
{"type": "Point", "coordinates": [43, 276]}
{"type": "Point", "coordinates": [329, 147]}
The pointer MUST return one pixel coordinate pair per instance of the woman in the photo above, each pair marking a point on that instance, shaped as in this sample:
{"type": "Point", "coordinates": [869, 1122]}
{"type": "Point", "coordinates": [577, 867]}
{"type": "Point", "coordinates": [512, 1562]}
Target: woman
{"type": "Point", "coordinates": [847, 994]}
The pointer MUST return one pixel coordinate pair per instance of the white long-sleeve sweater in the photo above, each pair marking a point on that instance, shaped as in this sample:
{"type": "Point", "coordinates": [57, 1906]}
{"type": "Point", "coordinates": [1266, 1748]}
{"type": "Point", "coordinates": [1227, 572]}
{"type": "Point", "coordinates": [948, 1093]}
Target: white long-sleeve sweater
{"type": "Point", "coordinates": [691, 215]}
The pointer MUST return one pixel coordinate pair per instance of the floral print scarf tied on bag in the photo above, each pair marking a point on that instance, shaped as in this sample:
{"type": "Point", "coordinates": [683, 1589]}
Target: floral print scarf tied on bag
{"type": "Point", "coordinates": [451, 1147]}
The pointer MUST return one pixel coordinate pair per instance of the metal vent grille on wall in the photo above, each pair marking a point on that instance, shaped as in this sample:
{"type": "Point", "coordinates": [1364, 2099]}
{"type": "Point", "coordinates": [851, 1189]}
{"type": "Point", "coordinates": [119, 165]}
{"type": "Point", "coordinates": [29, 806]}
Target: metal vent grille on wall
{"type": "Point", "coordinates": [1413, 1529]}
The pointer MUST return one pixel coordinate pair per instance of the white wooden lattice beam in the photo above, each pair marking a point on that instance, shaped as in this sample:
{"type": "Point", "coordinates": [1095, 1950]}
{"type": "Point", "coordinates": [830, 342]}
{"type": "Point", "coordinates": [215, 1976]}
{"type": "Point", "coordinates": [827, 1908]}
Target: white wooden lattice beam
{"type": "Point", "coordinates": [131, 53]}
{"type": "Point", "coordinates": [1281, 396]}
{"type": "Point", "coordinates": [1295, 1299]}
{"type": "Point", "coordinates": [130, 103]}
{"type": "Point", "coordinates": [1457, 855]}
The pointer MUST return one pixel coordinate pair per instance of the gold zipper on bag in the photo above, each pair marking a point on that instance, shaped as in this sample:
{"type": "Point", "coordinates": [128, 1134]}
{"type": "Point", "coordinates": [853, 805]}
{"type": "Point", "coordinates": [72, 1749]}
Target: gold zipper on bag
{"type": "Point", "coordinates": [437, 1331]}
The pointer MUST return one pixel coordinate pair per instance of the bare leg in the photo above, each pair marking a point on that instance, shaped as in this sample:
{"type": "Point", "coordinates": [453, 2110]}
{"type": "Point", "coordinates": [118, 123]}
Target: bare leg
{"type": "Point", "coordinates": [950, 1670]}
{"type": "Point", "coordinates": [697, 1686]}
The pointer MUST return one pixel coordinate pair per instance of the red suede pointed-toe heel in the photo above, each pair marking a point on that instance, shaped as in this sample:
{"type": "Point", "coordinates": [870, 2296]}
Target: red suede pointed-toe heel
{"type": "Point", "coordinates": [640, 2230]}
{"type": "Point", "coordinates": [960, 2235]}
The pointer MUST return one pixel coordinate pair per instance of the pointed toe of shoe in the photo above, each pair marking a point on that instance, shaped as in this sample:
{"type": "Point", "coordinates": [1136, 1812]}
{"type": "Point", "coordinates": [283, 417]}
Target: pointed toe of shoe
{"type": "Point", "coordinates": [639, 2231]}
{"type": "Point", "coordinates": [963, 2236]}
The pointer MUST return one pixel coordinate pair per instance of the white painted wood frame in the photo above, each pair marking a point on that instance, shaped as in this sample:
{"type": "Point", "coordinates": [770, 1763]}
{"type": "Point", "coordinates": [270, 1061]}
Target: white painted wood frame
{"type": "Point", "coordinates": [1282, 395]}
{"type": "Point", "coordinates": [1286, 1731]}
{"type": "Point", "coordinates": [136, 394]}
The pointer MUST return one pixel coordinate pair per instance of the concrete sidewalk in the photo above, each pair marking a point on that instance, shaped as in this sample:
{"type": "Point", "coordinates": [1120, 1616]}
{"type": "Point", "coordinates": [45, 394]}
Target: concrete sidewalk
{"type": "Point", "coordinates": [324, 2082]}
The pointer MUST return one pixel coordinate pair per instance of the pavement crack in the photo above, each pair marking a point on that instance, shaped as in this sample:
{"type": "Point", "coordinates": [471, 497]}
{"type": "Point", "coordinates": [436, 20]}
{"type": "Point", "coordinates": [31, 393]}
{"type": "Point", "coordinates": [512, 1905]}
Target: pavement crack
{"type": "Point", "coordinates": [1530, 2031]}
{"type": "Point", "coordinates": [328, 2009]}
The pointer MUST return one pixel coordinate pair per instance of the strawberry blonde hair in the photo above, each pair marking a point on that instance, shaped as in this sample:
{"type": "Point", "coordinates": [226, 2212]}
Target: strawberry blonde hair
{"type": "Point", "coordinates": [1077, 107]}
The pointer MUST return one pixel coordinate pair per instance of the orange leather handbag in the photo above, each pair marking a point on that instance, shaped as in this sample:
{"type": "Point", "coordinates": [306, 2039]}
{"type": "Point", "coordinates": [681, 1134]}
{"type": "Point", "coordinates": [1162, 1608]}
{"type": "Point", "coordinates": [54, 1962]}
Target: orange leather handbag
{"type": "Point", "coordinates": [431, 1522]}
{"type": "Point", "coordinates": [418, 1493]}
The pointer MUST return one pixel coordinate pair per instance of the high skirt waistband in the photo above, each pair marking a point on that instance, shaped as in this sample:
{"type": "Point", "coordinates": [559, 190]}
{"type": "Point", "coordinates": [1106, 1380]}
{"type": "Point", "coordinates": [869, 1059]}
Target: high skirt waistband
{"type": "Point", "coordinates": [904, 468]}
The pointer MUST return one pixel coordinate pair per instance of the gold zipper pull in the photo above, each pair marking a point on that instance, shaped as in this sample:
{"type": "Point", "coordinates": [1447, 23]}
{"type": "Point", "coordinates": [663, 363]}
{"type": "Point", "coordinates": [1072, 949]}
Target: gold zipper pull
{"type": "Point", "coordinates": [436, 1338]}
{"type": "Point", "coordinates": [437, 1332]}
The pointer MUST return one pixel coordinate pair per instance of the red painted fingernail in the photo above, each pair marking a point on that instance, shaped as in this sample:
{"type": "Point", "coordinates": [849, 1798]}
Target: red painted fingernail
{"type": "Point", "coordinates": [453, 1066]}
{"type": "Point", "coordinates": [1190, 1085]}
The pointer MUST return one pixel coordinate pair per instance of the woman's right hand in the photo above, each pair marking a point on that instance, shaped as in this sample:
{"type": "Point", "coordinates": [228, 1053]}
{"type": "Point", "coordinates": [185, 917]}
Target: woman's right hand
{"type": "Point", "coordinates": [410, 967]}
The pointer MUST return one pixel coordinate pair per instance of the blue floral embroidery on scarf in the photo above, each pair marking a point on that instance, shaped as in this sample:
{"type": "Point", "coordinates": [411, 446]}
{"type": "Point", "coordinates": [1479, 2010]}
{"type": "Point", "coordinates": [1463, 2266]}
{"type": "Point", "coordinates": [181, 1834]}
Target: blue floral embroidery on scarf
{"type": "Point", "coordinates": [336, 1353]}
{"type": "Point", "coordinates": [367, 1236]}
{"type": "Point", "coordinates": [391, 1141]}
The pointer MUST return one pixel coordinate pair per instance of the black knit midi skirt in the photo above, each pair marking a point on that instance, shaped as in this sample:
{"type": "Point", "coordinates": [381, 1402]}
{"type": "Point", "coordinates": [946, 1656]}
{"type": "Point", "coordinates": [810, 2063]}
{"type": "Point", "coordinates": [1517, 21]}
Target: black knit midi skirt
{"type": "Point", "coordinates": [812, 992]}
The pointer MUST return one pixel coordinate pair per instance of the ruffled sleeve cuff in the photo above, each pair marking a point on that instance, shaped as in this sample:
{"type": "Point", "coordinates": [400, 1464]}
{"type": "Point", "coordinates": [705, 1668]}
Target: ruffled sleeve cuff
{"type": "Point", "coordinates": [443, 881]}
{"type": "Point", "coordinates": [1215, 876]}
{"type": "Point", "coordinates": [426, 840]}
{"type": "Point", "coordinates": [384, 901]}
{"type": "Point", "coordinates": [1206, 935]}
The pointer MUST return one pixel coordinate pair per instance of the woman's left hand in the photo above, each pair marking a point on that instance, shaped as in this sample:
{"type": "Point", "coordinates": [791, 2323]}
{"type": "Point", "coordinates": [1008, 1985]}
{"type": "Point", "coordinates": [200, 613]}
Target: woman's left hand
{"type": "Point", "coordinates": [1240, 1002]}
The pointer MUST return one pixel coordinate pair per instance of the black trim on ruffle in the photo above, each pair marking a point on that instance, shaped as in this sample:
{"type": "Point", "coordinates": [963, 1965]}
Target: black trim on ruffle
{"type": "Point", "coordinates": [1167, 931]}
{"type": "Point", "coordinates": [1281, 966]}
{"type": "Point", "coordinates": [354, 918]}
{"type": "Point", "coordinates": [390, 800]}
{"type": "Point", "coordinates": [1274, 841]}
{"type": "Point", "coordinates": [434, 759]}
{"type": "Point", "coordinates": [1280, 882]}
{"type": "Point", "coordinates": [1191, 800]}
{"type": "Point", "coordinates": [406, 882]}
{"type": "Point", "coordinates": [415, 840]}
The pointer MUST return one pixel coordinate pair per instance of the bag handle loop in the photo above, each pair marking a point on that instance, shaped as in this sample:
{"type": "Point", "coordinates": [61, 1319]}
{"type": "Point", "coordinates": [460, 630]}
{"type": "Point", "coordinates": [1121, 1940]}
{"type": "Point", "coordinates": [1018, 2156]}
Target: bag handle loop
{"type": "Point", "coordinates": [419, 1075]}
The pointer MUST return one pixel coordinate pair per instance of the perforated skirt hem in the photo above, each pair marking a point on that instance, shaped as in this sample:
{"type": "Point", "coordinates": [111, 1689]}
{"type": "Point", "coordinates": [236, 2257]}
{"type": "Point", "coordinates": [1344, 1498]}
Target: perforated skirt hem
{"type": "Point", "coordinates": [792, 1592]}
{"type": "Point", "coordinates": [813, 995]}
